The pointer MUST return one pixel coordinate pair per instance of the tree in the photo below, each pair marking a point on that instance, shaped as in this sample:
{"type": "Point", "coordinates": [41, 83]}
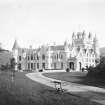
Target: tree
{"type": "Point", "coordinates": [12, 63]}
{"type": "Point", "coordinates": [99, 70]}
{"type": "Point", "coordinates": [12, 66]}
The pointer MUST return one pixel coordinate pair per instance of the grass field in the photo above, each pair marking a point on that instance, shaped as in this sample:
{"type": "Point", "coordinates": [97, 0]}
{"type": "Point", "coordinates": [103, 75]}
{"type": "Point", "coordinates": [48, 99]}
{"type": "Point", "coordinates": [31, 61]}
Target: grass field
{"type": "Point", "coordinates": [77, 77]}
{"type": "Point", "coordinates": [23, 91]}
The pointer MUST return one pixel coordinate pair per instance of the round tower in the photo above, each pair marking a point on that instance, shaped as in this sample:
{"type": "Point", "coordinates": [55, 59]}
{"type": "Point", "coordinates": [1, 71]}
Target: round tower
{"type": "Point", "coordinates": [66, 47]}
{"type": "Point", "coordinates": [49, 57]}
{"type": "Point", "coordinates": [96, 47]}
{"type": "Point", "coordinates": [15, 54]}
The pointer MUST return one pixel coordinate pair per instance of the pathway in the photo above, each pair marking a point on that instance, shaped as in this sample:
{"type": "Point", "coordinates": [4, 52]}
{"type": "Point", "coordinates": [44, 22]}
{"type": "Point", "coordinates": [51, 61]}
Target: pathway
{"type": "Point", "coordinates": [93, 93]}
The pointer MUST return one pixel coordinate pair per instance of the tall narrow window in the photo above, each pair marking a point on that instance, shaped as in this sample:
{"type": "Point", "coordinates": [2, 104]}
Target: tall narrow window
{"type": "Point", "coordinates": [28, 65]}
{"type": "Point", "coordinates": [19, 66]}
{"type": "Point", "coordinates": [57, 56]}
{"type": "Point", "coordinates": [37, 57]}
{"type": "Point", "coordinates": [31, 65]}
{"type": "Point", "coordinates": [61, 65]}
{"type": "Point", "coordinates": [31, 57]}
{"type": "Point", "coordinates": [37, 65]}
{"type": "Point", "coordinates": [43, 57]}
{"type": "Point", "coordinates": [43, 65]}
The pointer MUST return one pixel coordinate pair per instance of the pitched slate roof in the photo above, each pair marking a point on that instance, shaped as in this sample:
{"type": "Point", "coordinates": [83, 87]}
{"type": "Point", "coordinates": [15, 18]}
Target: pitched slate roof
{"type": "Point", "coordinates": [15, 46]}
{"type": "Point", "coordinates": [58, 47]}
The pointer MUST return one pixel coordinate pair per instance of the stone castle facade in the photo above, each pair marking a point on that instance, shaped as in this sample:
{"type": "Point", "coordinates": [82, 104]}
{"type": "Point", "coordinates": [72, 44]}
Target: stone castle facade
{"type": "Point", "coordinates": [82, 52]}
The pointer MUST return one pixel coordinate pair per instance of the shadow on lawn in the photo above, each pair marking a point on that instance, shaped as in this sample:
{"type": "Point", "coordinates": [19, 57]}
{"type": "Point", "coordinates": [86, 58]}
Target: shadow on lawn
{"type": "Point", "coordinates": [65, 98]}
{"type": "Point", "coordinates": [24, 91]}
{"type": "Point", "coordinates": [86, 80]}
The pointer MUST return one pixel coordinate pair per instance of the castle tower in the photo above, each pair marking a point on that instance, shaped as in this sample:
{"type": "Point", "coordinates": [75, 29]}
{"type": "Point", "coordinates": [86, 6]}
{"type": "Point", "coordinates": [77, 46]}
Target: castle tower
{"type": "Point", "coordinates": [66, 47]}
{"type": "Point", "coordinates": [49, 57]}
{"type": "Point", "coordinates": [15, 54]}
{"type": "Point", "coordinates": [96, 47]}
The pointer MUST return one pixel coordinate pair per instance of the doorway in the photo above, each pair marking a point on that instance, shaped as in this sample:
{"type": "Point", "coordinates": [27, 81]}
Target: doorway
{"type": "Point", "coordinates": [71, 65]}
{"type": "Point", "coordinates": [80, 65]}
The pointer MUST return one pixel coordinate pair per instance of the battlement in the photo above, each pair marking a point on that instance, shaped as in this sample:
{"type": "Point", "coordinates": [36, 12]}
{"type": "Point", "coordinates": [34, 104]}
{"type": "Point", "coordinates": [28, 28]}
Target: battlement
{"type": "Point", "coordinates": [82, 35]}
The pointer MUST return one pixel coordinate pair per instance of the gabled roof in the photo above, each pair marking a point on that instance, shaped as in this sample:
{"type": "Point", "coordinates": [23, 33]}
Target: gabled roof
{"type": "Point", "coordinates": [15, 46]}
{"type": "Point", "coordinates": [56, 48]}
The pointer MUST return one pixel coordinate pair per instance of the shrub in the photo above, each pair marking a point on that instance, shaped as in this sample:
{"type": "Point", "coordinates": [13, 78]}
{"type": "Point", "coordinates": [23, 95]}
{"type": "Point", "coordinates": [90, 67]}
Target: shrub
{"type": "Point", "coordinates": [99, 70]}
{"type": "Point", "coordinates": [67, 70]}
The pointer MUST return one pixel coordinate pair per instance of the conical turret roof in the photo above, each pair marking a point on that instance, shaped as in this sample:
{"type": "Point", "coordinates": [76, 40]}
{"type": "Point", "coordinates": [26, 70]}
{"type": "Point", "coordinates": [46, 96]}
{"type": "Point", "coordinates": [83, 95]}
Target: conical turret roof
{"type": "Point", "coordinates": [15, 46]}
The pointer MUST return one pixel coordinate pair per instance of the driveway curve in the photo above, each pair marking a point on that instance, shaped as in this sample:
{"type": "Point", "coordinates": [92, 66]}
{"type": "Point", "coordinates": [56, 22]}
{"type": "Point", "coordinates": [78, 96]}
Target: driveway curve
{"type": "Point", "coordinates": [93, 93]}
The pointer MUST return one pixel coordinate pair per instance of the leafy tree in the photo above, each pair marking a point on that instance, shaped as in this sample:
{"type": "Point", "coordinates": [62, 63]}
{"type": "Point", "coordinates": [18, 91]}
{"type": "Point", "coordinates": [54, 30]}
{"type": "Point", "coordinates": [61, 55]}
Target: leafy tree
{"type": "Point", "coordinates": [99, 70]}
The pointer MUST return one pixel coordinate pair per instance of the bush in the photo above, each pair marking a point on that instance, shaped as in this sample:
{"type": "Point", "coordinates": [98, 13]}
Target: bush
{"type": "Point", "coordinates": [5, 67]}
{"type": "Point", "coordinates": [67, 70]}
{"type": "Point", "coordinates": [99, 70]}
{"type": "Point", "coordinates": [83, 69]}
{"type": "Point", "coordinates": [41, 70]}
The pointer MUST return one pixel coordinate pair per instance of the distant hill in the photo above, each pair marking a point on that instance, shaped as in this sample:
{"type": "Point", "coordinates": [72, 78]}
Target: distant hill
{"type": "Point", "coordinates": [5, 56]}
{"type": "Point", "coordinates": [102, 51]}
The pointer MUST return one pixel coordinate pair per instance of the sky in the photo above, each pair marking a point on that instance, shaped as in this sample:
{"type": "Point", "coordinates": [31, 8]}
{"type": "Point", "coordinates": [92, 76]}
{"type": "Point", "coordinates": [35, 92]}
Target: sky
{"type": "Point", "coordinates": [38, 22]}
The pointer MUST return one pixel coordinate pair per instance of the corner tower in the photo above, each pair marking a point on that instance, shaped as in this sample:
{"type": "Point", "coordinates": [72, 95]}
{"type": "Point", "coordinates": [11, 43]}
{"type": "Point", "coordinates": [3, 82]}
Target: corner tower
{"type": "Point", "coordinates": [15, 53]}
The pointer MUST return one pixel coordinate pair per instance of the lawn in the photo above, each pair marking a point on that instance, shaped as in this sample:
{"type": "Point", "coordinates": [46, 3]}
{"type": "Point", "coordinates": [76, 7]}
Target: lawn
{"type": "Point", "coordinates": [23, 91]}
{"type": "Point", "coordinates": [77, 77]}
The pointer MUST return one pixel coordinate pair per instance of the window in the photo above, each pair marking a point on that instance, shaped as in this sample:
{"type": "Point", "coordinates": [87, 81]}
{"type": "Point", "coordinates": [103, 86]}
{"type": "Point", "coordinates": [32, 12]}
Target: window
{"type": "Point", "coordinates": [43, 57]}
{"type": "Point", "coordinates": [28, 65]}
{"type": "Point", "coordinates": [43, 65]}
{"type": "Point", "coordinates": [31, 65]}
{"type": "Point", "coordinates": [19, 66]}
{"type": "Point", "coordinates": [34, 58]}
{"type": "Point", "coordinates": [61, 65]}
{"type": "Point", "coordinates": [57, 56]}
{"type": "Point", "coordinates": [37, 57]}
{"type": "Point", "coordinates": [31, 57]}
{"type": "Point", "coordinates": [37, 65]}
{"type": "Point", "coordinates": [28, 58]}
{"type": "Point", "coordinates": [19, 58]}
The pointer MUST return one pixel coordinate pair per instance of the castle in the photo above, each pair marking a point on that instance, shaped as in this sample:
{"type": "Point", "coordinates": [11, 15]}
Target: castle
{"type": "Point", "coordinates": [82, 52]}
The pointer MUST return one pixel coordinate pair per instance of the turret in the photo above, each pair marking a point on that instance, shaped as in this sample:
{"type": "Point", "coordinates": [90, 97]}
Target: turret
{"type": "Point", "coordinates": [49, 57]}
{"type": "Point", "coordinates": [84, 35]}
{"type": "Point", "coordinates": [73, 36]}
{"type": "Point", "coordinates": [66, 47]}
{"type": "Point", "coordinates": [15, 52]}
{"type": "Point", "coordinates": [96, 47]}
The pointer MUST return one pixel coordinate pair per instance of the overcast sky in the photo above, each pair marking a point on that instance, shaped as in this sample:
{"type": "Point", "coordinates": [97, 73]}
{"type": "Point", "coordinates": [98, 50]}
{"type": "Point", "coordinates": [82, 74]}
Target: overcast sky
{"type": "Point", "coordinates": [37, 22]}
